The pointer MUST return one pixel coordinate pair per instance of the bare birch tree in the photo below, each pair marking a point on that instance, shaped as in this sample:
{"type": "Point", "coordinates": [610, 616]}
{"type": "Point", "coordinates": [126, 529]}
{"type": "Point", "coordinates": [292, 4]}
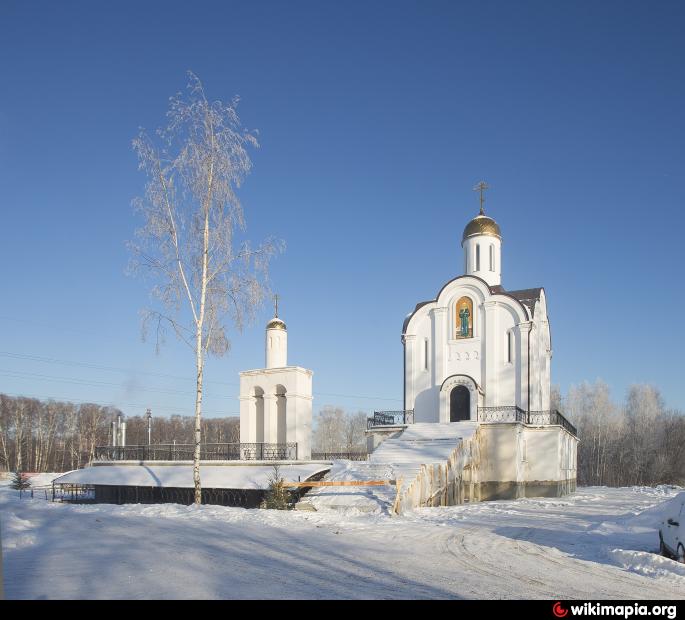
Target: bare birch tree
{"type": "Point", "coordinates": [204, 273]}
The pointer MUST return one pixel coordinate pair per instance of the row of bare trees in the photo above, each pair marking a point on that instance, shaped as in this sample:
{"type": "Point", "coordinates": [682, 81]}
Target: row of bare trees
{"type": "Point", "coordinates": [637, 442]}
{"type": "Point", "coordinates": [337, 432]}
{"type": "Point", "coordinates": [56, 436]}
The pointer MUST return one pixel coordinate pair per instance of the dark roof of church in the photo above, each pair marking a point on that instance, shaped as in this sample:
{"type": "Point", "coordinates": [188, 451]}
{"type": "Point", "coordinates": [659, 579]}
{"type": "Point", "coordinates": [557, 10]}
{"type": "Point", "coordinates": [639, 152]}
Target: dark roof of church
{"type": "Point", "coordinates": [527, 296]}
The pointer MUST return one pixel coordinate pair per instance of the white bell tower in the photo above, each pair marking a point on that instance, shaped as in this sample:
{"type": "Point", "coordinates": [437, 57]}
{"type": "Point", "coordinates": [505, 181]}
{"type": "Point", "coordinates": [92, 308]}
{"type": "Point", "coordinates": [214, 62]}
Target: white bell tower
{"type": "Point", "coordinates": [276, 401]}
{"type": "Point", "coordinates": [482, 244]}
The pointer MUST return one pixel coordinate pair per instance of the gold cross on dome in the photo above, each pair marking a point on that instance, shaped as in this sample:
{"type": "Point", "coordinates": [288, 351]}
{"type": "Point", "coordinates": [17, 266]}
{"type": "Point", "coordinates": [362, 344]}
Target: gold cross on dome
{"type": "Point", "coordinates": [276, 305]}
{"type": "Point", "coordinates": [481, 187]}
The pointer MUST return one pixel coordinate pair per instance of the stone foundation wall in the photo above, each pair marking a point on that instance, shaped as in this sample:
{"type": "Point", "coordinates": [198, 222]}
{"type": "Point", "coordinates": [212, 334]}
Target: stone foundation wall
{"type": "Point", "coordinates": [514, 490]}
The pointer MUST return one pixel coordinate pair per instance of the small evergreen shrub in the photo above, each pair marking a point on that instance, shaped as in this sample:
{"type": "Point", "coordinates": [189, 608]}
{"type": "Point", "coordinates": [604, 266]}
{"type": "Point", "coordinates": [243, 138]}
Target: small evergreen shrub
{"type": "Point", "coordinates": [20, 481]}
{"type": "Point", "coordinates": [277, 497]}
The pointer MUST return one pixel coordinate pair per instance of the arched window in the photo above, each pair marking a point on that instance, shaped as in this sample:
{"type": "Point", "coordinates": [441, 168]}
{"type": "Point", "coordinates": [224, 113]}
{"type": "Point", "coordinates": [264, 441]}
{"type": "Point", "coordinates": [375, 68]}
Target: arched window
{"type": "Point", "coordinates": [425, 354]}
{"type": "Point", "coordinates": [510, 347]}
{"type": "Point", "coordinates": [492, 257]}
{"type": "Point", "coordinates": [464, 318]}
{"type": "Point", "coordinates": [478, 257]}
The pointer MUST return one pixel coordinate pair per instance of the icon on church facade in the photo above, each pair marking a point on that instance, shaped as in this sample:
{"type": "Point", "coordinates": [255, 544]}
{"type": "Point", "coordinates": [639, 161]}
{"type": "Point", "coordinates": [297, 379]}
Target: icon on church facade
{"type": "Point", "coordinates": [464, 318]}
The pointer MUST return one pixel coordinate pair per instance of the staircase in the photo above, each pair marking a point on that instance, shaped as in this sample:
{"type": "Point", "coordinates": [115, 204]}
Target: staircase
{"type": "Point", "coordinates": [401, 457]}
{"type": "Point", "coordinates": [421, 444]}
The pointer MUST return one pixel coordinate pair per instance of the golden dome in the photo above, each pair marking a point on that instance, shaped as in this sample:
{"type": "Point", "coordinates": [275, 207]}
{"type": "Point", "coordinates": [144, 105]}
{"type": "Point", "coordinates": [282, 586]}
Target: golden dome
{"type": "Point", "coordinates": [481, 225]}
{"type": "Point", "coordinates": [275, 323]}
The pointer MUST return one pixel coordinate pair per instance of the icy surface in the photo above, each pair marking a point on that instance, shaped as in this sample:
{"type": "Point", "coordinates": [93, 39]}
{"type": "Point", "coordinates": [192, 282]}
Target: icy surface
{"type": "Point", "coordinates": [395, 459]}
{"type": "Point", "coordinates": [597, 543]}
{"type": "Point", "coordinates": [232, 476]}
{"type": "Point", "coordinates": [378, 499]}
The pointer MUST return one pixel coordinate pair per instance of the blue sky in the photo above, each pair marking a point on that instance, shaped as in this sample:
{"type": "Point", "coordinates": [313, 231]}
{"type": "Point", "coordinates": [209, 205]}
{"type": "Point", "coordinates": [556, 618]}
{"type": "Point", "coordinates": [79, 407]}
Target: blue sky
{"type": "Point", "coordinates": [375, 121]}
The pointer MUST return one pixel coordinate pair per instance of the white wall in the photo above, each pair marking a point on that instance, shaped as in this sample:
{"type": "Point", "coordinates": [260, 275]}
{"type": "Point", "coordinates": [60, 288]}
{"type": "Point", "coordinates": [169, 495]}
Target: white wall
{"type": "Point", "coordinates": [292, 386]}
{"type": "Point", "coordinates": [520, 453]}
{"type": "Point", "coordinates": [484, 358]}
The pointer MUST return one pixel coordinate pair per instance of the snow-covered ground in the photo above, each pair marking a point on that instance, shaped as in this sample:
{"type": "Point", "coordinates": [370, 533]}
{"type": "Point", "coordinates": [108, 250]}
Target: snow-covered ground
{"type": "Point", "coordinates": [597, 543]}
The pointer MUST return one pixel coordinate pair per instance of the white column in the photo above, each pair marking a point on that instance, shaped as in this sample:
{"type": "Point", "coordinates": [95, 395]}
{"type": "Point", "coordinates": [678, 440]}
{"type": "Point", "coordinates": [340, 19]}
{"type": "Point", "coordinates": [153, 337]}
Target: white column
{"type": "Point", "coordinates": [290, 417]}
{"type": "Point", "coordinates": [491, 356]}
{"type": "Point", "coordinates": [522, 331]}
{"type": "Point", "coordinates": [439, 339]}
{"type": "Point", "coordinates": [546, 382]}
{"type": "Point", "coordinates": [300, 407]}
{"type": "Point", "coordinates": [409, 356]}
{"type": "Point", "coordinates": [248, 415]}
{"type": "Point", "coordinates": [281, 419]}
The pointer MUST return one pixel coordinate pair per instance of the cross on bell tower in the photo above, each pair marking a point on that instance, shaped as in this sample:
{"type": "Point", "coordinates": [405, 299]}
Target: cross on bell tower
{"type": "Point", "coordinates": [481, 187]}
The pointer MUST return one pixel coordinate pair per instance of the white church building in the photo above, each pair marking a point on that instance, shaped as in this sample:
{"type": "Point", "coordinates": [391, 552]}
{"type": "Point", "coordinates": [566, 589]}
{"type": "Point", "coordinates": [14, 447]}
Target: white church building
{"type": "Point", "coordinates": [477, 361]}
{"type": "Point", "coordinates": [477, 345]}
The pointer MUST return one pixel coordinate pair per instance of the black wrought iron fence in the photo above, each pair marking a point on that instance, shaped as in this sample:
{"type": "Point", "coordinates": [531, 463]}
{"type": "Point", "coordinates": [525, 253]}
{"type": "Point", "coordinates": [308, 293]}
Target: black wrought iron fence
{"type": "Point", "coordinates": [208, 452]}
{"type": "Point", "coordinates": [348, 456]}
{"type": "Point", "coordinates": [516, 414]}
{"type": "Point", "coordinates": [551, 416]}
{"type": "Point", "coordinates": [501, 414]}
{"type": "Point", "coordinates": [390, 418]}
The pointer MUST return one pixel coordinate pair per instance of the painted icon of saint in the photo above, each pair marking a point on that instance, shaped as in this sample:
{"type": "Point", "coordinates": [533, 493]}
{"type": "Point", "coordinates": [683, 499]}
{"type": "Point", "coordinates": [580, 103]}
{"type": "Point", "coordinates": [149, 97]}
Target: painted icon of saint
{"type": "Point", "coordinates": [464, 318]}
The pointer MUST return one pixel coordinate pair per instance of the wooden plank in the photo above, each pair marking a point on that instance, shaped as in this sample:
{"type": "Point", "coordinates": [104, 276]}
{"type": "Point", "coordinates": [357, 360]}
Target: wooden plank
{"type": "Point", "coordinates": [340, 483]}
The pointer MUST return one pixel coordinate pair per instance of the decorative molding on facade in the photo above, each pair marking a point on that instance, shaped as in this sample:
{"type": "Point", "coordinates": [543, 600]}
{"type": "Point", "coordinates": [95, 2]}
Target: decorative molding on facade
{"type": "Point", "coordinates": [274, 371]}
{"type": "Point", "coordinates": [455, 380]}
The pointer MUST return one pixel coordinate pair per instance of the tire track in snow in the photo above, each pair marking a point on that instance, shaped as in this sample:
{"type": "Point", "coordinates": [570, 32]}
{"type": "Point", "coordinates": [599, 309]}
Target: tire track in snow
{"type": "Point", "coordinates": [609, 576]}
{"type": "Point", "coordinates": [497, 575]}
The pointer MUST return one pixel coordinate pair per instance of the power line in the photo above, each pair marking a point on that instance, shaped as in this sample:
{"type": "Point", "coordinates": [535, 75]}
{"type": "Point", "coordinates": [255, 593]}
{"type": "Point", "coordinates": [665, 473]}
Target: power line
{"type": "Point", "coordinates": [23, 375]}
{"type": "Point", "coordinates": [67, 399]}
{"type": "Point", "coordinates": [50, 360]}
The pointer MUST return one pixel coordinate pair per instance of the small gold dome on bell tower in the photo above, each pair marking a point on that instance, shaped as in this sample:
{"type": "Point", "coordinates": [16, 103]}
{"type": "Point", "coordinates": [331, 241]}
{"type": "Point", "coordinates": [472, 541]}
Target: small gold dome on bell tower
{"type": "Point", "coordinates": [275, 323]}
{"type": "Point", "coordinates": [481, 225]}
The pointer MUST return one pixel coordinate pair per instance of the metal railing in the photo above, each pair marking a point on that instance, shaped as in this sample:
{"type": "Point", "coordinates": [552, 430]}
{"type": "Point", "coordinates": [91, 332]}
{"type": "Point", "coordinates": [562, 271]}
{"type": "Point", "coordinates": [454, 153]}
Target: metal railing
{"type": "Point", "coordinates": [549, 417]}
{"type": "Point", "coordinates": [390, 418]}
{"type": "Point", "coordinates": [208, 452]}
{"type": "Point", "coordinates": [501, 414]}
{"type": "Point", "coordinates": [347, 456]}
{"type": "Point", "coordinates": [504, 414]}
{"type": "Point", "coordinates": [516, 414]}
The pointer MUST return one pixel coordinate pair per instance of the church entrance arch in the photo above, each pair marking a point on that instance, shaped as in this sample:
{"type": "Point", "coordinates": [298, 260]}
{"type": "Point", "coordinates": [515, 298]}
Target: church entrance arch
{"type": "Point", "coordinates": [460, 397]}
{"type": "Point", "coordinates": [460, 404]}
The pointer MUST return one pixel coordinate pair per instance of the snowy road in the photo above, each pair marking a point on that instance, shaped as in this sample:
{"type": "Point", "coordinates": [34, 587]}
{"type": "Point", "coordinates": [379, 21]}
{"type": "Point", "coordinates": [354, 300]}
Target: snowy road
{"type": "Point", "coordinates": [596, 544]}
